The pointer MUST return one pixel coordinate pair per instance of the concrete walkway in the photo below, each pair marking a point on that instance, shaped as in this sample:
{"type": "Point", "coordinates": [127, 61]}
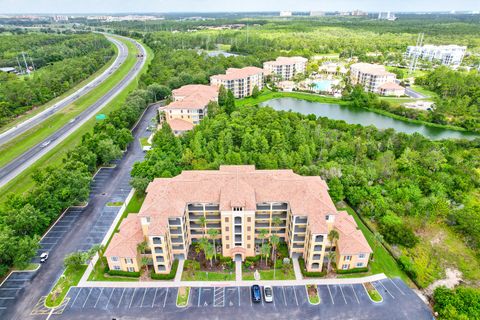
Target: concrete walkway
{"type": "Point", "coordinates": [173, 284]}
{"type": "Point", "coordinates": [178, 275]}
{"type": "Point", "coordinates": [296, 269]}
{"type": "Point", "coordinates": [238, 271]}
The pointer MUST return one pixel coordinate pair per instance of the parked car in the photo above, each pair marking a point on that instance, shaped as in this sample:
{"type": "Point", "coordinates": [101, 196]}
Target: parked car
{"type": "Point", "coordinates": [256, 293]}
{"type": "Point", "coordinates": [44, 257]}
{"type": "Point", "coordinates": [268, 293]}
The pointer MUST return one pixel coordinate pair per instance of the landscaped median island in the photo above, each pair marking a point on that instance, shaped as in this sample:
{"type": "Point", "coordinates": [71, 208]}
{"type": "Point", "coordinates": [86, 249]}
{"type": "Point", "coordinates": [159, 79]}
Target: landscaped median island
{"type": "Point", "coordinates": [70, 277]}
{"type": "Point", "coordinates": [312, 292]}
{"type": "Point", "coordinates": [372, 292]}
{"type": "Point", "coordinates": [182, 296]}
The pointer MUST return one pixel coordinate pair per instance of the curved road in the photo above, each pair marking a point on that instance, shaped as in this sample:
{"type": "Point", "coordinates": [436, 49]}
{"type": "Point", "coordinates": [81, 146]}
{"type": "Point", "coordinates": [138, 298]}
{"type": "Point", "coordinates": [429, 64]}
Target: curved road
{"type": "Point", "coordinates": [26, 159]}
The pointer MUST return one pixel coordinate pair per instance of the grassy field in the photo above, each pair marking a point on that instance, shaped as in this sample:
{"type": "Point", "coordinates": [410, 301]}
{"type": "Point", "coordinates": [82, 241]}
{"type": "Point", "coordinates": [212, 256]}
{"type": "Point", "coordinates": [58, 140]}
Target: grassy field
{"type": "Point", "coordinates": [23, 182]}
{"type": "Point", "coordinates": [383, 262]}
{"type": "Point", "coordinates": [182, 296]}
{"type": "Point", "coordinates": [425, 92]}
{"type": "Point", "coordinates": [208, 276]}
{"type": "Point", "coordinates": [39, 109]}
{"type": "Point", "coordinates": [33, 136]}
{"type": "Point", "coordinates": [280, 274]}
{"type": "Point", "coordinates": [98, 274]}
{"type": "Point", "coordinates": [70, 278]}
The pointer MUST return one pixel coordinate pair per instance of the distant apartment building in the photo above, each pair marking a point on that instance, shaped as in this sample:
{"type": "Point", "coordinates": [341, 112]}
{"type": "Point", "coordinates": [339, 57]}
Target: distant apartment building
{"type": "Point", "coordinates": [240, 81]}
{"type": "Point", "coordinates": [239, 202]}
{"type": "Point", "coordinates": [286, 67]}
{"type": "Point", "coordinates": [285, 13]}
{"type": "Point", "coordinates": [390, 16]}
{"type": "Point", "coordinates": [447, 55]}
{"type": "Point", "coordinates": [373, 77]}
{"type": "Point", "coordinates": [188, 106]}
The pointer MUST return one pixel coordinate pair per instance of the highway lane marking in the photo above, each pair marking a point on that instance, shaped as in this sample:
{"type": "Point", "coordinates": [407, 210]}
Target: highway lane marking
{"type": "Point", "coordinates": [358, 301]}
{"type": "Point", "coordinates": [133, 295]}
{"type": "Point", "coordinates": [328, 287]}
{"type": "Point", "coordinates": [98, 298]}
{"type": "Point", "coordinates": [154, 297]}
{"type": "Point", "coordinates": [141, 304]}
{"type": "Point", "coordinates": [121, 297]}
{"type": "Point", "coordinates": [87, 297]}
{"type": "Point", "coordinates": [341, 290]}
{"type": "Point", "coordinates": [396, 286]}
{"type": "Point", "coordinates": [165, 301]}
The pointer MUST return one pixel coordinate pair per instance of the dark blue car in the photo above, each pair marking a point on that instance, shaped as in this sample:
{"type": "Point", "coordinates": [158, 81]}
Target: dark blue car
{"type": "Point", "coordinates": [256, 293]}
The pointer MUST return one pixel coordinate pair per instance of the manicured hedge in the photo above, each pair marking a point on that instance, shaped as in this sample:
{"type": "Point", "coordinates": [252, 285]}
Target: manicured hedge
{"type": "Point", "coordinates": [169, 276]}
{"type": "Point", "coordinates": [308, 274]}
{"type": "Point", "coordinates": [354, 270]}
{"type": "Point", "coordinates": [123, 273]}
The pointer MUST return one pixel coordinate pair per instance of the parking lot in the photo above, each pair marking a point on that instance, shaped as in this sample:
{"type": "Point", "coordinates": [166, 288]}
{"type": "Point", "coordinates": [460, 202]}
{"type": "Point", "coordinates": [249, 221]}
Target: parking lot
{"type": "Point", "coordinates": [100, 227]}
{"type": "Point", "coordinates": [11, 287]}
{"type": "Point", "coordinates": [346, 301]}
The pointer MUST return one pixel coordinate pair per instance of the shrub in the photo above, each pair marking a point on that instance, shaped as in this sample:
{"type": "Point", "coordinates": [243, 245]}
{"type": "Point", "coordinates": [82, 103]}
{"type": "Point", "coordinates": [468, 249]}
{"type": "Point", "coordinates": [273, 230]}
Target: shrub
{"type": "Point", "coordinates": [396, 232]}
{"type": "Point", "coordinates": [354, 270]}
{"type": "Point", "coordinates": [168, 276]}
{"type": "Point", "coordinates": [121, 273]}
{"type": "Point", "coordinates": [308, 274]}
{"type": "Point", "coordinates": [407, 265]}
{"type": "Point", "coordinates": [460, 303]}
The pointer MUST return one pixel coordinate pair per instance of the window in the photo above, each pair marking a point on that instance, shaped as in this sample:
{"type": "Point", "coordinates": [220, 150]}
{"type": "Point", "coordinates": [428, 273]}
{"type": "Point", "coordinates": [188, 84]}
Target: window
{"type": "Point", "coordinates": [227, 246]}
{"type": "Point", "coordinates": [249, 219]}
{"type": "Point", "coordinates": [227, 229]}
{"type": "Point", "coordinates": [345, 267]}
{"type": "Point", "coordinates": [361, 256]}
{"type": "Point", "coordinates": [131, 269]}
{"type": "Point", "coordinates": [249, 228]}
{"type": "Point", "coordinates": [248, 246]}
{"type": "Point", "coordinates": [226, 219]}
{"type": "Point", "coordinates": [248, 237]}
{"type": "Point", "coordinates": [227, 238]}
{"type": "Point", "coordinates": [319, 238]}
{"type": "Point", "coordinates": [128, 260]}
{"type": "Point", "coordinates": [360, 264]}
{"type": "Point", "coordinates": [116, 267]}
{"type": "Point", "coordinates": [347, 258]}
{"type": "Point", "coordinates": [114, 259]}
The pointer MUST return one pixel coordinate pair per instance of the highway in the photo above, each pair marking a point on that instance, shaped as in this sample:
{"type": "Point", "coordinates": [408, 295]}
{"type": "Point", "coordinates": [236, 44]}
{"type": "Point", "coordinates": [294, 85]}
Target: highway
{"type": "Point", "coordinates": [26, 159]}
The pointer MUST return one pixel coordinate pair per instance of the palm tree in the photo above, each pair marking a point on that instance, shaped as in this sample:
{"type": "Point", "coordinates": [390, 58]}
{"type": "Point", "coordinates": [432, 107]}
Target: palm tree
{"type": "Point", "coordinates": [93, 251]}
{"type": "Point", "coordinates": [142, 247]}
{"type": "Point", "coordinates": [276, 221]}
{"type": "Point", "coordinates": [332, 238]}
{"type": "Point", "coordinates": [265, 251]}
{"type": "Point", "coordinates": [263, 235]}
{"type": "Point", "coordinates": [203, 222]}
{"type": "Point", "coordinates": [145, 261]}
{"type": "Point", "coordinates": [213, 233]}
{"type": "Point", "coordinates": [209, 253]}
{"type": "Point", "coordinates": [331, 256]}
{"type": "Point", "coordinates": [274, 240]}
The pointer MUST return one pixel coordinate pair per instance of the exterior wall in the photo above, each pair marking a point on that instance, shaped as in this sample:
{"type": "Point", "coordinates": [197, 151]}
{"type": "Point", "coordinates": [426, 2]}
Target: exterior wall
{"type": "Point", "coordinates": [342, 261]}
{"type": "Point", "coordinates": [124, 263]}
{"type": "Point", "coordinates": [389, 92]}
{"type": "Point", "coordinates": [285, 71]}
{"type": "Point", "coordinates": [371, 82]}
{"type": "Point", "coordinates": [191, 115]}
{"type": "Point", "coordinates": [242, 87]}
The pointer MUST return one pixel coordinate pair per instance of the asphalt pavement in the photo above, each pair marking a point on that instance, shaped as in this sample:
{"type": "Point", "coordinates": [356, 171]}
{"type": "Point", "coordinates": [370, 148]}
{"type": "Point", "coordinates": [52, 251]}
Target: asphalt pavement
{"type": "Point", "coordinates": [19, 164]}
{"type": "Point", "coordinates": [78, 229]}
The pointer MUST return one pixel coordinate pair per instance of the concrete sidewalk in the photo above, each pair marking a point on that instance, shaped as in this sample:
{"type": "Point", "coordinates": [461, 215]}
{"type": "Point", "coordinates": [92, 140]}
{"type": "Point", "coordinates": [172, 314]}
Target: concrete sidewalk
{"type": "Point", "coordinates": [296, 269]}
{"type": "Point", "coordinates": [174, 284]}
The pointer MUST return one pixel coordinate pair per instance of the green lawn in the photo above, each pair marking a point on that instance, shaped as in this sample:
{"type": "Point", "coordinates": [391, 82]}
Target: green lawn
{"type": "Point", "coordinates": [69, 278]}
{"type": "Point", "coordinates": [98, 274]}
{"type": "Point", "coordinates": [268, 95]}
{"type": "Point", "coordinates": [144, 141]}
{"type": "Point", "coordinates": [33, 136]}
{"type": "Point", "coordinates": [373, 293]}
{"type": "Point", "coordinates": [39, 109]}
{"type": "Point", "coordinates": [23, 182]}
{"type": "Point", "coordinates": [182, 296]}
{"type": "Point", "coordinates": [280, 274]}
{"type": "Point", "coordinates": [383, 262]}
{"type": "Point", "coordinates": [207, 276]}
{"type": "Point", "coordinates": [313, 298]}
{"type": "Point", "coordinates": [425, 92]}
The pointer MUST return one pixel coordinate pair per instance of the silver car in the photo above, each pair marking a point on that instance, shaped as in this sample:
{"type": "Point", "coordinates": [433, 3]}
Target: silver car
{"type": "Point", "coordinates": [268, 293]}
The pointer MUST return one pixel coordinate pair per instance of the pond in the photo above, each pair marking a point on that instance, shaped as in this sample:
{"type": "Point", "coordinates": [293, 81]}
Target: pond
{"type": "Point", "coordinates": [364, 117]}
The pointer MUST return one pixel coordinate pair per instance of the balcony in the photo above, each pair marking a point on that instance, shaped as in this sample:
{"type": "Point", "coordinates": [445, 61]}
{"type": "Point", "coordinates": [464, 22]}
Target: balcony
{"type": "Point", "coordinates": [157, 240]}
{"type": "Point", "coordinates": [317, 248]}
{"type": "Point", "coordinates": [319, 238]}
{"type": "Point", "coordinates": [262, 225]}
{"type": "Point", "coordinates": [260, 216]}
{"type": "Point", "coordinates": [176, 231]}
{"type": "Point", "coordinates": [263, 207]}
{"type": "Point", "coordinates": [196, 232]}
{"type": "Point", "coordinates": [158, 250]}
{"type": "Point", "coordinates": [195, 216]}
{"type": "Point", "coordinates": [192, 207]}
{"type": "Point", "coordinates": [300, 229]}
{"type": "Point", "coordinates": [160, 259]}
{"type": "Point", "coordinates": [300, 220]}
{"type": "Point", "coordinates": [282, 206]}
{"type": "Point", "coordinates": [316, 257]}
{"type": "Point", "coordinates": [299, 238]}
{"type": "Point", "coordinates": [297, 246]}
{"type": "Point", "coordinates": [174, 221]}
{"type": "Point", "coordinates": [212, 216]}
{"type": "Point", "coordinates": [213, 225]}
{"type": "Point", "coordinates": [212, 207]}
{"type": "Point", "coordinates": [238, 229]}
{"type": "Point", "coordinates": [177, 240]}
{"type": "Point", "coordinates": [195, 226]}
{"type": "Point", "coordinates": [279, 214]}
{"type": "Point", "coordinates": [178, 247]}
{"type": "Point", "coordinates": [238, 238]}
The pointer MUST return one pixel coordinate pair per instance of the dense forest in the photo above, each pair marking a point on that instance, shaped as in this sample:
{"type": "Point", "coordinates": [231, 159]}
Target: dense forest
{"type": "Point", "coordinates": [59, 62]}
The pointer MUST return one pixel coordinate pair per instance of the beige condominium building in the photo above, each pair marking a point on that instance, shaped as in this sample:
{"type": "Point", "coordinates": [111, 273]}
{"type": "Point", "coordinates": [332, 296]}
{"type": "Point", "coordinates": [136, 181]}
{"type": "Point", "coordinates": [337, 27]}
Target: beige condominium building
{"type": "Point", "coordinates": [239, 202]}
{"type": "Point", "coordinates": [286, 67]}
{"type": "Point", "coordinates": [372, 77]}
{"type": "Point", "coordinates": [240, 81]}
{"type": "Point", "coordinates": [188, 106]}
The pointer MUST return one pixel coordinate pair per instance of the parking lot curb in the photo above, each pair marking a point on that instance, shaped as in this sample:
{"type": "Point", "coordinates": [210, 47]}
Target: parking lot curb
{"type": "Point", "coordinates": [308, 297]}
{"type": "Point", "coordinates": [366, 291]}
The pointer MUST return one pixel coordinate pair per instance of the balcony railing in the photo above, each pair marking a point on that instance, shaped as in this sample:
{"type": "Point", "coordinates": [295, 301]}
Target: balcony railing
{"type": "Point", "coordinates": [177, 240]}
{"type": "Point", "coordinates": [297, 246]}
{"type": "Point", "coordinates": [282, 206]}
{"type": "Point", "coordinates": [262, 225]}
{"type": "Point", "coordinates": [300, 230]}
{"type": "Point", "coordinates": [297, 238]}
{"type": "Point", "coordinates": [195, 226]}
{"type": "Point", "coordinates": [176, 231]}
{"type": "Point", "coordinates": [262, 216]}
{"type": "Point", "coordinates": [174, 221]}
{"type": "Point", "coordinates": [192, 207]}
{"type": "Point", "coordinates": [157, 241]}
{"type": "Point", "coordinates": [212, 216]}
{"type": "Point", "coordinates": [263, 207]}
{"type": "Point", "coordinates": [213, 225]}
{"type": "Point", "coordinates": [300, 220]}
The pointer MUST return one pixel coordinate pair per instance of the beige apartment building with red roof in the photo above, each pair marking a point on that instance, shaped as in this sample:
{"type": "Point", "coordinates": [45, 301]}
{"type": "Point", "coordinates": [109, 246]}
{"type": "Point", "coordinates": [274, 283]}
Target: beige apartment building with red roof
{"type": "Point", "coordinates": [375, 78]}
{"type": "Point", "coordinates": [188, 107]}
{"type": "Point", "coordinates": [239, 202]}
{"type": "Point", "coordinates": [286, 67]}
{"type": "Point", "coordinates": [240, 81]}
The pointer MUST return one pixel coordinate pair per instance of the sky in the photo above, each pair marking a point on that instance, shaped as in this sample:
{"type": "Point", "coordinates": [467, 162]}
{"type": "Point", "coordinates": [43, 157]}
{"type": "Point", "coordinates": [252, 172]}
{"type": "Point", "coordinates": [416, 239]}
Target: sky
{"type": "Point", "coordinates": [131, 6]}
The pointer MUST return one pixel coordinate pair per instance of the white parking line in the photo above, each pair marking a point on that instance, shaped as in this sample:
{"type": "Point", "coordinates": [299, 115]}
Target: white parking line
{"type": "Point", "coordinates": [141, 304]}
{"type": "Point", "coordinates": [3, 308]}
{"type": "Point", "coordinates": [284, 296]}
{"type": "Point", "coordinates": [133, 295]}
{"type": "Point", "coordinates": [101, 291]}
{"type": "Point", "coordinates": [165, 301]}
{"type": "Point", "coordinates": [154, 297]}
{"type": "Point", "coordinates": [121, 297]}
{"type": "Point", "coordinates": [396, 286]}
{"type": "Point", "coordinates": [199, 295]}
{"type": "Point", "coordinates": [358, 301]}
{"type": "Point", "coordinates": [6, 298]}
{"type": "Point", "coordinates": [111, 294]}
{"type": "Point", "coordinates": [73, 303]}
{"type": "Point", "coordinates": [341, 290]}
{"type": "Point", "coordinates": [87, 297]}
{"type": "Point", "coordinates": [238, 289]}
{"type": "Point", "coordinates": [387, 290]}
{"type": "Point", "coordinates": [328, 287]}
{"type": "Point", "coordinates": [295, 293]}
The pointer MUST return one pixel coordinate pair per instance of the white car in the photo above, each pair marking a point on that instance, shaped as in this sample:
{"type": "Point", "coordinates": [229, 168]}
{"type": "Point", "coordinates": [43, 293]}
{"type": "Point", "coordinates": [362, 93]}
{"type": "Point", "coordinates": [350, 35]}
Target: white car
{"type": "Point", "coordinates": [44, 257]}
{"type": "Point", "coordinates": [268, 293]}
{"type": "Point", "coordinates": [46, 143]}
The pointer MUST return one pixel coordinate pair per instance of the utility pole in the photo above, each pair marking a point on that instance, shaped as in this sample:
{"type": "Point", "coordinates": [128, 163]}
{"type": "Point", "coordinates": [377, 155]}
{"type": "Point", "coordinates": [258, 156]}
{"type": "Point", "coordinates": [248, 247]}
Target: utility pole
{"type": "Point", "coordinates": [416, 53]}
{"type": "Point", "coordinates": [26, 65]}
{"type": "Point", "coordinates": [19, 66]}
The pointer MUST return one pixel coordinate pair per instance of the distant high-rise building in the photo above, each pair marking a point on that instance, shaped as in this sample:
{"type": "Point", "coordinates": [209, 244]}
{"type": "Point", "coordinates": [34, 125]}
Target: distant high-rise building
{"type": "Point", "coordinates": [285, 13]}
{"type": "Point", "coordinates": [317, 13]}
{"type": "Point", "coordinates": [387, 16]}
{"type": "Point", "coordinates": [359, 13]}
